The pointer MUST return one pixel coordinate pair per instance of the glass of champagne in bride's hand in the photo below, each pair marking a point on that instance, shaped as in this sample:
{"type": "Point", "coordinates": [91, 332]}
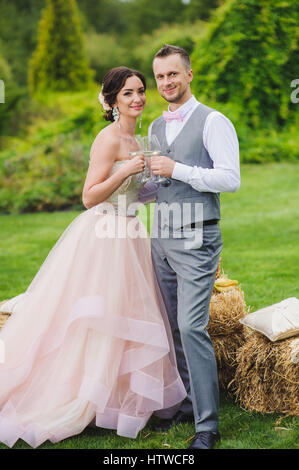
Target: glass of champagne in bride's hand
{"type": "Point", "coordinates": [152, 148]}
{"type": "Point", "coordinates": [136, 147]}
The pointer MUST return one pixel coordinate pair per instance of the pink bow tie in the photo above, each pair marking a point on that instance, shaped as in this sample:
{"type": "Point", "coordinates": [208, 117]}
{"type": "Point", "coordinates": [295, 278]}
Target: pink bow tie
{"type": "Point", "coordinates": [176, 115]}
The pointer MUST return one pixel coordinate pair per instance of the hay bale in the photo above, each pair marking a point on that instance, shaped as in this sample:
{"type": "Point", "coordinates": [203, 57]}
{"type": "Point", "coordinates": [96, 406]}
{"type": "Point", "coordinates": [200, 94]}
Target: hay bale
{"type": "Point", "coordinates": [266, 379]}
{"type": "Point", "coordinates": [295, 350]}
{"type": "Point", "coordinates": [227, 306]}
{"type": "Point", "coordinates": [226, 347]}
{"type": "Point", "coordinates": [226, 309]}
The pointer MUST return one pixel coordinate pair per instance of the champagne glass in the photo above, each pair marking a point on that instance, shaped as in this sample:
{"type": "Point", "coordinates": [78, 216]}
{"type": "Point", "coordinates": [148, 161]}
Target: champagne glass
{"type": "Point", "coordinates": [152, 148]}
{"type": "Point", "coordinates": [136, 147]}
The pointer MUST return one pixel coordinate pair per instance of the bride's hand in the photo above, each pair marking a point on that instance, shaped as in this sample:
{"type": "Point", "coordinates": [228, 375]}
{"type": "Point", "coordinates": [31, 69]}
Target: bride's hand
{"type": "Point", "coordinates": [135, 165]}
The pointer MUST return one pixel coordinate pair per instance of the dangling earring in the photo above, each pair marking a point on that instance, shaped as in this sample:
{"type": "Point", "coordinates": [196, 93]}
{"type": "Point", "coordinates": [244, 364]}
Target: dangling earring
{"type": "Point", "coordinates": [115, 114]}
{"type": "Point", "coordinates": [140, 119]}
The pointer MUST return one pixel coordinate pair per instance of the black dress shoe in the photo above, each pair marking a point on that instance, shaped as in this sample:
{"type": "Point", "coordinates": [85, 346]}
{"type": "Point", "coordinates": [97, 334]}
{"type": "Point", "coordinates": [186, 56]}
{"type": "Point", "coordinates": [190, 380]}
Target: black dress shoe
{"type": "Point", "coordinates": [178, 418]}
{"type": "Point", "coordinates": [204, 440]}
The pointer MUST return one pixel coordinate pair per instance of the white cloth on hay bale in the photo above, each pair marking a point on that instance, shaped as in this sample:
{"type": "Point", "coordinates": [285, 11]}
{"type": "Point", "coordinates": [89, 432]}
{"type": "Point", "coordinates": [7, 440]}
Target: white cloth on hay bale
{"type": "Point", "coordinates": [278, 321]}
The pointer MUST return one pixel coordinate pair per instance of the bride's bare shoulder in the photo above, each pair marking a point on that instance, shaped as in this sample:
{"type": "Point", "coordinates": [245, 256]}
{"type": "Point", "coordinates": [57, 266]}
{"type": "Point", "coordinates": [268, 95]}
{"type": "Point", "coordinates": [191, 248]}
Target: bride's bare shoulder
{"type": "Point", "coordinates": [107, 140]}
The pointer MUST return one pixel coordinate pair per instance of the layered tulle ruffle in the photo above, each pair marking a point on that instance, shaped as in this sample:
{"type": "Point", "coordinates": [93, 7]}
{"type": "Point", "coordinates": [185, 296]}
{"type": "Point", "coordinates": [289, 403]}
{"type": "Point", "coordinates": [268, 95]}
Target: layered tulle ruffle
{"type": "Point", "coordinates": [89, 341]}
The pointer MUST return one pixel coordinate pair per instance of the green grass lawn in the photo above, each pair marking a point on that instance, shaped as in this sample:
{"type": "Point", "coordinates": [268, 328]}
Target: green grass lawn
{"type": "Point", "coordinates": [260, 231]}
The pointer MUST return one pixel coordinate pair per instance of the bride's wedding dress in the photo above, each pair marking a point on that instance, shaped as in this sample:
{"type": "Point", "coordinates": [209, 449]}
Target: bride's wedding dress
{"type": "Point", "coordinates": [88, 342]}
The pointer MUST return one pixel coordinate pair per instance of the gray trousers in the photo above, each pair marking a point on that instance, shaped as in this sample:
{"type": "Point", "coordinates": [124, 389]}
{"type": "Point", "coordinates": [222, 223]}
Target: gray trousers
{"type": "Point", "coordinates": [186, 278]}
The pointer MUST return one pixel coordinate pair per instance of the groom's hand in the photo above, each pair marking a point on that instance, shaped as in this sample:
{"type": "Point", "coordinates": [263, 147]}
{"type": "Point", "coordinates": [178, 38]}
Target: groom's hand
{"type": "Point", "coordinates": [162, 166]}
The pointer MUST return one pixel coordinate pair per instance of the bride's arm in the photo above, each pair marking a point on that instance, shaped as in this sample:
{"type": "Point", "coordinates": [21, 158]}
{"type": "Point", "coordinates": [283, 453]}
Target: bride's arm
{"type": "Point", "coordinates": [98, 184]}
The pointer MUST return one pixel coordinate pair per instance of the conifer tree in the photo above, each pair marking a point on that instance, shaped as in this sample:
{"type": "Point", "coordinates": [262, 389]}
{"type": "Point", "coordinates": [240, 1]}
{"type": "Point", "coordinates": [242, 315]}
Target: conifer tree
{"type": "Point", "coordinates": [59, 61]}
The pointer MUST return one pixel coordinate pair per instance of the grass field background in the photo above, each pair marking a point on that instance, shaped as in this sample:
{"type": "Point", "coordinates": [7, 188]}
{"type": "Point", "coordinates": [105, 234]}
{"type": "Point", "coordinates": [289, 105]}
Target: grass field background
{"type": "Point", "coordinates": [260, 231]}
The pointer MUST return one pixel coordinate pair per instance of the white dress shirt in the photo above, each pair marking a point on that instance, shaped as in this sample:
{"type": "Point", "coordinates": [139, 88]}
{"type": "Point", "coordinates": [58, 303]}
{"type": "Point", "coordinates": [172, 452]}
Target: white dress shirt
{"type": "Point", "coordinates": [221, 142]}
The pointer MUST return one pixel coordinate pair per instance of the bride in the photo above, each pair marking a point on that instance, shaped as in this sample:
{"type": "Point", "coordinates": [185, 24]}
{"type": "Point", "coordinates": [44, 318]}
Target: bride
{"type": "Point", "coordinates": [88, 342]}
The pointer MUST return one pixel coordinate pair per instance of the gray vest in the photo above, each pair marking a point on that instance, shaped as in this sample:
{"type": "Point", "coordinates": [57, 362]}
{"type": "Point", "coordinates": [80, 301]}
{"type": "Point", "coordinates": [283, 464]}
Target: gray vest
{"type": "Point", "coordinates": [187, 148]}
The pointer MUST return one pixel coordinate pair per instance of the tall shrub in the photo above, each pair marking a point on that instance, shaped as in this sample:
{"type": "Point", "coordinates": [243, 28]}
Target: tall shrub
{"type": "Point", "coordinates": [59, 61]}
{"type": "Point", "coordinates": [248, 58]}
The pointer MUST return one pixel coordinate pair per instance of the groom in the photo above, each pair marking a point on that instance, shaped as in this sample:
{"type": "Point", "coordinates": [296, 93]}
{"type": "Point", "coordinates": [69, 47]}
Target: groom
{"type": "Point", "coordinates": [200, 159]}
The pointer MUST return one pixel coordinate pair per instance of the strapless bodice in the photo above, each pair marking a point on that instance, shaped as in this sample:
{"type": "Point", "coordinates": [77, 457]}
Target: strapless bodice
{"type": "Point", "coordinates": [124, 200]}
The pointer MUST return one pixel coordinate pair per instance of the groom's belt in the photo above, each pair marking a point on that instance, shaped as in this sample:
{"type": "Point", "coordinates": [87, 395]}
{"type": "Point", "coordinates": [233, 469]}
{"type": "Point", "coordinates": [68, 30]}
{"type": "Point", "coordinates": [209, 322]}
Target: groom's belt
{"type": "Point", "coordinates": [205, 222]}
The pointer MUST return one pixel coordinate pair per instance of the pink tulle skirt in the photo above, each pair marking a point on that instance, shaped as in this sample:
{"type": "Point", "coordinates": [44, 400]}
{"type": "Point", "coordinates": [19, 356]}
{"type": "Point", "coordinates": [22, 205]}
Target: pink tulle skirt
{"type": "Point", "coordinates": [88, 342]}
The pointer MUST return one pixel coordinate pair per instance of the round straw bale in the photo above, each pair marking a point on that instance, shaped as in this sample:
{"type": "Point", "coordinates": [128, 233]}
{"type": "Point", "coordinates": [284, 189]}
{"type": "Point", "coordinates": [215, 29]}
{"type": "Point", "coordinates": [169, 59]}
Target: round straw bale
{"type": "Point", "coordinates": [266, 379]}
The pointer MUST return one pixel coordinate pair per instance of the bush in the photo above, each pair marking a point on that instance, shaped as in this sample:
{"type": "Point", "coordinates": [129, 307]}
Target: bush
{"type": "Point", "coordinates": [11, 112]}
{"type": "Point", "coordinates": [45, 170]}
{"type": "Point", "coordinates": [248, 57]}
{"type": "Point", "coordinates": [45, 177]}
{"type": "Point", "coordinates": [268, 146]}
{"type": "Point", "coordinates": [265, 144]}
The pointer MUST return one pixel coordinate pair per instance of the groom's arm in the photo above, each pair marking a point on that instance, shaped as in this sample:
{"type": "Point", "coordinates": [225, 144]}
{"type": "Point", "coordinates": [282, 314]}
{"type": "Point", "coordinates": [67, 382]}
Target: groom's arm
{"type": "Point", "coordinates": [221, 142]}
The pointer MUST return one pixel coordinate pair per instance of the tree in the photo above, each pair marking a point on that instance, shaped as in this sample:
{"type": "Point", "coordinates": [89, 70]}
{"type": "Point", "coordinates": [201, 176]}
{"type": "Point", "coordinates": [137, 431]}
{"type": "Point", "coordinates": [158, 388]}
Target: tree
{"type": "Point", "coordinates": [248, 58]}
{"type": "Point", "coordinates": [59, 61]}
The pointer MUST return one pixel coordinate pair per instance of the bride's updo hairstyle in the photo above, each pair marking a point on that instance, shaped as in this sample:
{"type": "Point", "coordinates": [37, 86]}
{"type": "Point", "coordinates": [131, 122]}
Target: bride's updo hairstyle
{"type": "Point", "coordinates": [113, 82]}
